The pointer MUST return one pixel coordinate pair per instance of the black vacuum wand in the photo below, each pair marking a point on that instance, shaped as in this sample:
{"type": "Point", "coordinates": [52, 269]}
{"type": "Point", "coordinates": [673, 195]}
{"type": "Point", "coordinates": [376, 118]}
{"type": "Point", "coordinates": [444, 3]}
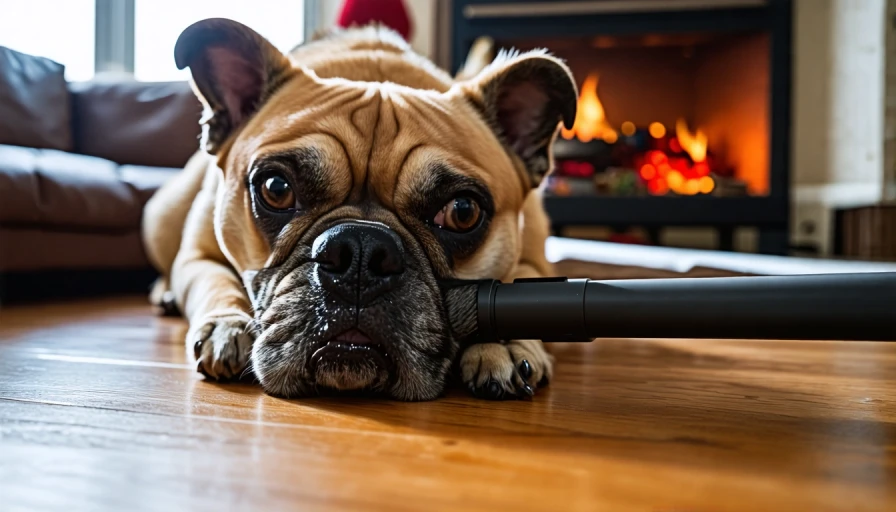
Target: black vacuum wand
{"type": "Point", "coordinates": [859, 307]}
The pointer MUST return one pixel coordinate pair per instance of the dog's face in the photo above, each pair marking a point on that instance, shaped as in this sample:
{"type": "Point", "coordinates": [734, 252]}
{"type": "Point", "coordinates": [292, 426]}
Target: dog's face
{"type": "Point", "coordinates": [343, 203]}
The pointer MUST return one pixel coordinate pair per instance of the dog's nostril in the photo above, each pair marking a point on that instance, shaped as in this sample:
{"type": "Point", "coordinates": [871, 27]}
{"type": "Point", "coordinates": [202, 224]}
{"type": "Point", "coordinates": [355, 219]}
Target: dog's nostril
{"type": "Point", "coordinates": [385, 262]}
{"type": "Point", "coordinates": [337, 257]}
{"type": "Point", "coordinates": [344, 261]}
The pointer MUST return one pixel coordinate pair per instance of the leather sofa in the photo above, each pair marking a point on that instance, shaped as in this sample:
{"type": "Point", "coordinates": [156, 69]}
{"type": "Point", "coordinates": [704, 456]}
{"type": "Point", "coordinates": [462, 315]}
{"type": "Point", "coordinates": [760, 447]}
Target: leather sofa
{"type": "Point", "coordinates": [78, 161]}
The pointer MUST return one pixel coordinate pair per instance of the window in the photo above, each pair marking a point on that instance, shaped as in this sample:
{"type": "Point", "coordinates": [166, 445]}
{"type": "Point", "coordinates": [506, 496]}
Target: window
{"type": "Point", "coordinates": [66, 31]}
{"type": "Point", "coordinates": [158, 23]}
{"type": "Point", "coordinates": [60, 30]}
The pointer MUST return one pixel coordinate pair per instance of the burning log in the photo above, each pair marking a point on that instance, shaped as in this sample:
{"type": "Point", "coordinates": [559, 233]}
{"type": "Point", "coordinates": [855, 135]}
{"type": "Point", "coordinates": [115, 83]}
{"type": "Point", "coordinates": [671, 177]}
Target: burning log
{"type": "Point", "coordinates": [679, 163]}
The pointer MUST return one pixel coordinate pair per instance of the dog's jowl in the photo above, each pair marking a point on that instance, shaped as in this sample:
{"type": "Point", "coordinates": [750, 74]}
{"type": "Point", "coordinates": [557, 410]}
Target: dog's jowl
{"type": "Point", "coordinates": [334, 188]}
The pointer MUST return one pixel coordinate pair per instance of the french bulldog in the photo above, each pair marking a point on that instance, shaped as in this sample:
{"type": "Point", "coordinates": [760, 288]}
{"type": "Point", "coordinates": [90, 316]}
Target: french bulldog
{"type": "Point", "coordinates": [335, 186]}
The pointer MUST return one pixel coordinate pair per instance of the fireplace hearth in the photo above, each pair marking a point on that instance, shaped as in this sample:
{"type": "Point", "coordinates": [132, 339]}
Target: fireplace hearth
{"type": "Point", "coordinates": [684, 109]}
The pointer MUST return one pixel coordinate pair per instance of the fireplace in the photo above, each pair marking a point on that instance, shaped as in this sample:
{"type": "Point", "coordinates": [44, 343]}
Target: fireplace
{"type": "Point", "coordinates": [683, 115]}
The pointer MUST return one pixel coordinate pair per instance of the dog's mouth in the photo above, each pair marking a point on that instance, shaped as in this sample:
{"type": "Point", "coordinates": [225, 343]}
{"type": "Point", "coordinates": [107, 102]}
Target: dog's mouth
{"type": "Point", "coordinates": [351, 361]}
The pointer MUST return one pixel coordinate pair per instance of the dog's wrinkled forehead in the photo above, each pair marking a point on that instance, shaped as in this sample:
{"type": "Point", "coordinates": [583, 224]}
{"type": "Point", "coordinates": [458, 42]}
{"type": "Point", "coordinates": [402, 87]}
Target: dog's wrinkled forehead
{"type": "Point", "coordinates": [378, 140]}
{"type": "Point", "coordinates": [372, 95]}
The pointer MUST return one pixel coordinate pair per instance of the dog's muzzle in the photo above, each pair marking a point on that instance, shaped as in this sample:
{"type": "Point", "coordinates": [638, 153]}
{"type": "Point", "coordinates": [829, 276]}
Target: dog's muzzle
{"type": "Point", "coordinates": [353, 308]}
{"type": "Point", "coordinates": [358, 261]}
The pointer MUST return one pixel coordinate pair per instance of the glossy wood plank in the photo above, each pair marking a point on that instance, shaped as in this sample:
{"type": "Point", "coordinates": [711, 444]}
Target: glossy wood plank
{"type": "Point", "coordinates": [100, 410]}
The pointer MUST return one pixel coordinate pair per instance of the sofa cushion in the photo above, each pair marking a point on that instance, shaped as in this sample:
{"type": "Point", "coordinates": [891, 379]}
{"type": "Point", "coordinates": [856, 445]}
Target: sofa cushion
{"type": "Point", "coordinates": [56, 190]}
{"type": "Point", "coordinates": [140, 123]}
{"type": "Point", "coordinates": [34, 102]}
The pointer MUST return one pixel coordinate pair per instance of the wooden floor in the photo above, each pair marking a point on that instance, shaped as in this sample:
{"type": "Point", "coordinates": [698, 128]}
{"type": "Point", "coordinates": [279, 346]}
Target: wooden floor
{"type": "Point", "coordinates": [101, 410]}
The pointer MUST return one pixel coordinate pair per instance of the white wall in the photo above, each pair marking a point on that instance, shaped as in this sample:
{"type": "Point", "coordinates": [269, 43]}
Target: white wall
{"type": "Point", "coordinates": [838, 110]}
{"type": "Point", "coordinates": [423, 14]}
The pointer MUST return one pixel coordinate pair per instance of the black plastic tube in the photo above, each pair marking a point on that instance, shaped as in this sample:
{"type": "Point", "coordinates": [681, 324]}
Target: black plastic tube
{"type": "Point", "coordinates": [806, 307]}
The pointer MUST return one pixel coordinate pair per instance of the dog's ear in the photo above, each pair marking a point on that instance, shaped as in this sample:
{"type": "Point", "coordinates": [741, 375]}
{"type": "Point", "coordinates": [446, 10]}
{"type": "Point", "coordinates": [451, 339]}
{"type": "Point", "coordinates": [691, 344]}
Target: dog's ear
{"type": "Point", "coordinates": [524, 98]}
{"type": "Point", "coordinates": [234, 71]}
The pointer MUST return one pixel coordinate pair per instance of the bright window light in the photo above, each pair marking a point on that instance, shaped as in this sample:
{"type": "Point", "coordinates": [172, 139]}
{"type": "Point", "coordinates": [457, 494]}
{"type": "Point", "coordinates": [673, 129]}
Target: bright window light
{"type": "Point", "coordinates": [158, 23]}
{"type": "Point", "coordinates": [60, 30]}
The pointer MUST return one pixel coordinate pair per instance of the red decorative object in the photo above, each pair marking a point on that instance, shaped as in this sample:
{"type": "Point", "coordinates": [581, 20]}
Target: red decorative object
{"type": "Point", "coordinates": [626, 238]}
{"type": "Point", "coordinates": [391, 13]}
{"type": "Point", "coordinates": [575, 169]}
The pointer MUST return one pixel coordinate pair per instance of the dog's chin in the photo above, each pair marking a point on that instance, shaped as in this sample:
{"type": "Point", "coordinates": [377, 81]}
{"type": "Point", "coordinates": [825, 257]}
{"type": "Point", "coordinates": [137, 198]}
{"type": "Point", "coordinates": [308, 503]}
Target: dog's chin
{"type": "Point", "coordinates": [398, 347]}
{"type": "Point", "coordinates": [351, 362]}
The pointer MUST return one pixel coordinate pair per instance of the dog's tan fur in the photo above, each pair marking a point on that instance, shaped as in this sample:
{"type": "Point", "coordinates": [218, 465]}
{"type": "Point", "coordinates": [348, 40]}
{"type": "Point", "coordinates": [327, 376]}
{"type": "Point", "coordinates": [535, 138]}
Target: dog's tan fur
{"type": "Point", "coordinates": [376, 110]}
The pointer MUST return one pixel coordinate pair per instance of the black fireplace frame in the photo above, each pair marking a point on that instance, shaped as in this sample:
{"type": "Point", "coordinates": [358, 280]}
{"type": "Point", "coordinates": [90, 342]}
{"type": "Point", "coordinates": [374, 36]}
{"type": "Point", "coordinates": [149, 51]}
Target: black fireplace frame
{"type": "Point", "coordinates": [770, 214]}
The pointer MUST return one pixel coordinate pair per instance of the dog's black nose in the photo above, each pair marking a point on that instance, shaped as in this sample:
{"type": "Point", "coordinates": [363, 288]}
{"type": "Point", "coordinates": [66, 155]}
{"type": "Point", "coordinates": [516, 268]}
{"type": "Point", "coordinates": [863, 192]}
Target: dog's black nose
{"type": "Point", "coordinates": [358, 261]}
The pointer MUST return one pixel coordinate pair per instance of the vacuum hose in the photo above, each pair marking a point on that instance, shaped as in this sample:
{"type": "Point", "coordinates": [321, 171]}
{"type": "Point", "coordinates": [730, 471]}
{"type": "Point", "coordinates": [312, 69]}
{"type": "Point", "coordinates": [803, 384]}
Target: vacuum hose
{"type": "Point", "coordinates": [859, 307]}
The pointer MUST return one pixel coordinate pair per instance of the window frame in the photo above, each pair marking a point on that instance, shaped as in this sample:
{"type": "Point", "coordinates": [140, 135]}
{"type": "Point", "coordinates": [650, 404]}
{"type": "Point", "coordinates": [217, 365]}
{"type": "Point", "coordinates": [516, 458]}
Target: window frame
{"type": "Point", "coordinates": [114, 36]}
{"type": "Point", "coordinates": [114, 33]}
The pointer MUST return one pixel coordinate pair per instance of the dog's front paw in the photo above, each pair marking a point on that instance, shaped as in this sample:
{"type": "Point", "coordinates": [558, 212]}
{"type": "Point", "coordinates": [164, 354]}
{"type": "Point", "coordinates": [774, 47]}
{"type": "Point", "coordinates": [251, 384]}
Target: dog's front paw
{"type": "Point", "coordinates": [499, 372]}
{"type": "Point", "coordinates": [222, 345]}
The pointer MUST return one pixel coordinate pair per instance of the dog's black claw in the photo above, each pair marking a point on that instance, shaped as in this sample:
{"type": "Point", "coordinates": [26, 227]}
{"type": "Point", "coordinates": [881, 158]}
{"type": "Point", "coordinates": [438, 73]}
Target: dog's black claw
{"type": "Point", "coordinates": [197, 349]}
{"type": "Point", "coordinates": [494, 389]}
{"type": "Point", "coordinates": [201, 369]}
{"type": "Point", "coordinates": [491, 390]}
{"type": "Point", "coordinates": [527, 389]}
{"type": "Point", "coordinates": [525, 369]}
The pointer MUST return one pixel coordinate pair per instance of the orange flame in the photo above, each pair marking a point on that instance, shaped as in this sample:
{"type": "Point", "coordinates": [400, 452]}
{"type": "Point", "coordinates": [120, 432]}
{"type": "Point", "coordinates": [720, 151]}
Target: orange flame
{"type": "Point", "coordinates": [591, 121]}
{"type": "Point", "coordinates": [693, 143]}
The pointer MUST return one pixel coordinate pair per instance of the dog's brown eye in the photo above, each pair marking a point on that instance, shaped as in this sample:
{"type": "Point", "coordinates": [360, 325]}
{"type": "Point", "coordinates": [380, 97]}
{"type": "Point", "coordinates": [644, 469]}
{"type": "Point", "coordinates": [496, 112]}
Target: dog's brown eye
{"type": "Point", "coordinates": [459, 215]}
{"type": "Point", "coordinates": [277, 194]}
